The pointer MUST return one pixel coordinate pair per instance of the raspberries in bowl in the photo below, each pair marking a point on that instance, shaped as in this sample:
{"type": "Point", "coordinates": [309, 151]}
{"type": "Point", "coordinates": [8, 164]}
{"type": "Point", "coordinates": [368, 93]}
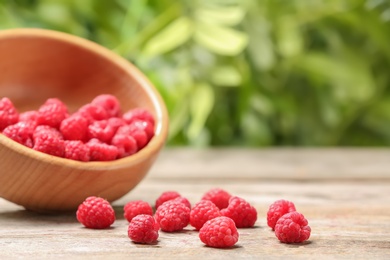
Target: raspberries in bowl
{"type": "Point", "coordinates": [102, 156]}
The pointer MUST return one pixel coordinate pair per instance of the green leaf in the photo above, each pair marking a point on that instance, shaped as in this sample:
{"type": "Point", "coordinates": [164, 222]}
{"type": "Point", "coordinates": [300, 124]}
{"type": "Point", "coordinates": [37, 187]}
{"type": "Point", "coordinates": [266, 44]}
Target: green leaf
{"type": "Point", "coordinates": [219, 39]}
{"type": "Point", "coordinates": [226, 76]}
{"type": "Point", "coordinates": [202, 102]}
{"type": "Point", "coordinates": [230, 15]}
{"type": "Point", "coordinates": [289, 39]}
{"type": "Point", "coordinates": [172, 36]}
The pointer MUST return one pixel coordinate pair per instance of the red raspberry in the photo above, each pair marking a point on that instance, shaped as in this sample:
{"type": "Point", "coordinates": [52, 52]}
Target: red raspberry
{"type": "Point", "coordinates": [21, 132]}
{"type": "Point", "coordinates": [278, 209]}
{"type": "Point", "coordinates": [27, 116]}
{"type": "Point", "coordinates": [218, 196]}
{"type": "Point", "coordinates": [138, 114]}
{"type": "Point", "coordinates": [183, 200]}
{"type": "Point", "coordinates": [116, 122]}
{"type": "Point", "coordinates": [99, 151]}
{"type": "Point", "coordinates": [96, 213]}
{"type": "Point", "coordinates": [139, 135]}
{"type": "Point", "coordinates": [109, 102]}
{"type": "Point", "coordinates": [76, 150]}
{"type": "Point", "coordinates": [145, 126]}
{"type": "Point", "coordinates": [93, 112]}
{"type": "Point", "coordinates": [203, 211]}
{"type": "Point", "coordinates": [52, 112]}
{"type": "Point", "coordinates": [125, 144]}
{"type": "Point", "coordinates": [292, 228]}
{"type": "Point", "coordinates": [172, 216]}
{"type": "Point", "coordinates": [137, 207]}
{"type": "Point", "coordinates": [101, 130]}
{"type": "Point", "coordinates": [8, 113]}
{"type": "Point", "coordinates": [165, 196]}
{"type": "Point", "coordinates": [242, 213]}
{"type": "Point", "coordinates": [48, 140]}
{"type": "Point", "coordinates": [74, 127]}
{"type": "Point", "coordinates": [143, 229]}
{"type": "Point", "coordinates": [219, 232]}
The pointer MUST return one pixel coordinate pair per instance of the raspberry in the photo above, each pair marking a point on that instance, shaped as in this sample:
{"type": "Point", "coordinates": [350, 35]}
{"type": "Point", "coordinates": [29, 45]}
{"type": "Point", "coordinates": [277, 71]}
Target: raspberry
{"type": "Point", "coordinates": [145, 126]}
{"type": "Point", "coordinates": [52, 112]}
{"type": "Point", "coordinates": [116, 122]}
{"type": "Point", "coordinates": [8, 113]}
{"type": "Point", "coordinates": [203, 211]}
{"type": "Point", "coordinates": [93, 112]}
{"type": "Point", "coordinates": [242, 213]}
{"type": "Point", "coordinates": [143, 229]}
{"type": "Point", "coordinates": [27, 116]}
{"type": "Point", "coordinates": [139, 135]}
{"type": "Point", "coordinates": [125, 144]}
{"type": "Point", "coordinates": [109, 102]}
{"type": "Point", "coordinates": [278, 209]}
{"type": "Point", "coordinates": [21, 132]}
{"type": "Point", "coordinates": [48, 140]}
{"type": "Point", "coordinates": [101, 130]}
{"type": "Point", "coordinates": [99, 151]}
{"type": "Point", "coordinates": [219, 232]}
{"type": "Point", "coordinates": [137, 207]}
{"type": "Point", "coordinates": [292, 228]}
{"type": "Point", "coordinates": [74, 127]}
{"type": "Point", "coordinates": [138, 114]}
{"type": "Point", "coordinates": [218, 196]}
{"type": "Point", "coordinates": [76, 150]}
{"type": "Point", "coordinates": [96, 213]}
{"type": "Point", "coordinates": [183, 200]}
{"type": "Point", "coordinates": [172, 216]}
{"type": "Point", "coordinates": [165, 196]}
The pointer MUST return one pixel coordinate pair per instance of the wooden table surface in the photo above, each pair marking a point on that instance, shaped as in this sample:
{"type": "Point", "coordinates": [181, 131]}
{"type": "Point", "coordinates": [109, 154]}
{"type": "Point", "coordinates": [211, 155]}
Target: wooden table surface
{"type": "Point", "coordinates": [344, 194]}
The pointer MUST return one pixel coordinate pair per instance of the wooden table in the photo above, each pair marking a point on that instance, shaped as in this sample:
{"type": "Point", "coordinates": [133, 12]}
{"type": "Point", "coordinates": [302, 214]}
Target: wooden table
{"type": "Point", "coordinates": [344, 193]}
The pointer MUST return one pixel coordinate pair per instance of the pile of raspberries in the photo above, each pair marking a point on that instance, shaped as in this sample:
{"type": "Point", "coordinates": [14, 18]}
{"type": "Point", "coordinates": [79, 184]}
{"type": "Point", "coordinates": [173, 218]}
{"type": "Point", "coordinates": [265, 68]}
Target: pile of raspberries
{"type": "Point", "coordinates": [217, 217]}
{"type": "Point", "coordinates": [97, 131]}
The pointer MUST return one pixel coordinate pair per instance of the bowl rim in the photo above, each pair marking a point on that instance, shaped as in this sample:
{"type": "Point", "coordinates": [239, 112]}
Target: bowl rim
{"type": "Point", "coordinates": [162, 119]}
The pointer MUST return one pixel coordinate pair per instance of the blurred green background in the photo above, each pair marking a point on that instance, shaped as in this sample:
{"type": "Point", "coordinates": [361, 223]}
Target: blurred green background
{"type": "Point", "coordinates": [245, 72]}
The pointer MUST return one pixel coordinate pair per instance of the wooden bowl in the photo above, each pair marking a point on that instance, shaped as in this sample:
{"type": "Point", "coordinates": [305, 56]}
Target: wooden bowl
{"type": "Point", "coordinates": [37, 64]}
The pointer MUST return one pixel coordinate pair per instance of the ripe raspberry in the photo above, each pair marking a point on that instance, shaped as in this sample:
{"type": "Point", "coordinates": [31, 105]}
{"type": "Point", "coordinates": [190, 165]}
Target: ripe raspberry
{"type": "Point", "coordinates": [109, 102]}
{"type": "Point", "coordinates": [96, 213]}
{"type": "Point", "coordinates": [139, 135]}
{"type": "Point", "coordinates": [76, 150]}
{"type": "Point", "coordinates": [143, 229]}
{"type": "Point", "coordinates": [116, 122]}
{"type": "Point", "coordinates": [48, 140]}
{"type": "Point", "coordinates": [292, 228]}
{"type": "Point", "coordinates": [74, 128]}
{"type": "Point", "coordinates": [138, 114]}
{"type": "Point", "coordinates": [203, 211]}
{"type": "Point", "coordinates": [125, 144]}
{"type": "Point", "coordinates": [218, 196]}
{"type": "Point", "coordinates": [21, 132]}
{"type": "Point", "coordinates": [278, 209]}
{"type": "Point", "coordinates": [219, 232]}
{"type": "Point", "coordinates": [101, 130]}
{"type": "Point", "coordinates": [137, 207]}
{"type": "Point", "coordinates": [172, 216]}
{"type": "Point", "coordinates": [31, 115]}
{"type": "Point", "coordinates": [183, 200]}
{"type": "Point", "coordinates": [93, 112]}
{"type": "Point", "coordinates": [145, 126]}
{"type": "Point", "coordinates": [165, 196]}
{"type": "Point", "coordinates": [99, 151]}
{"type": "Point", "coordinates": [242, 213]}
{"type": "Point", "coordinates": [8, 113]}
{"type": "Point", "coordinates": [52, 112]}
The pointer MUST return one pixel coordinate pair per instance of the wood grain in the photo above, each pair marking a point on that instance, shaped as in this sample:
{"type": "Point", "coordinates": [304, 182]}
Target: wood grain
{"type": "Point", "coordinates": [344, 193]}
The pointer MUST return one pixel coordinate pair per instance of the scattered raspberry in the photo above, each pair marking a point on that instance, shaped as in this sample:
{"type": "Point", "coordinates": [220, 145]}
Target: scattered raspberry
{"type": "Point", "coordinates": [48, 140]}
{"type": "Point", "coordinates": [109, 102]}
{"type": "Point", "coordinates": [143, 229]}
{"type": "Point", "coordinates": [278, 209]}
{"type": "Point", "coordinates": [21, 132]}
{"type": "Point", "coordinates": [8, 113]}
{"type": "Point", "coordinates": [203, 211]}
{"type": "Point", "coordinates": [137, 207]}
{"type": "Point", "coordinates": [165, 196]}
{"type": "Point", "coordinates": [125, 144]}
{"type": "Point", "coordinates": [219, 232]}
{"type": "Point", "coordinates": [292, 228]}
{"type": "Point", "coordinates": [96, 213]}
{"type": "Point", "coordinates": [242, 213]}
{"type": "Point", "coordinates": [29, 116]}
{"type": "Point", "coordinates": [99, 151]}
{"type": "Point", "coordinates": [139, 135]}
{"type": "Point", "coordinates": [52, 112]}
{"type": "Point", "coordinates": [218, 196]}
{"type": "Point", "coordinates": [101, 130]}
{"type": "Point", "coordinates": [93, 112]}
{"type": "Point", "coordinates": [183, 200]}
{"type": "Point", "coordinates": [76, 150]}
{"type": "Point", "coordinates": [138, 114]}
{"type": "Point", "coordinates": [172, 216]}
{"type": "Point", "coordinates": [74, 127]}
